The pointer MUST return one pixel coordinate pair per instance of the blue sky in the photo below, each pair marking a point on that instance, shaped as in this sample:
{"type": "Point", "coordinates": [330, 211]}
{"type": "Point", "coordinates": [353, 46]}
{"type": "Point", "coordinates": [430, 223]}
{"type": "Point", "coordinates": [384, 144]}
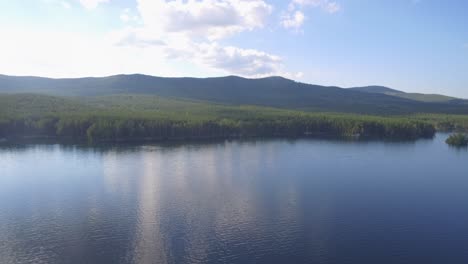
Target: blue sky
{"type": "Point", "coordinates": [412, 45]}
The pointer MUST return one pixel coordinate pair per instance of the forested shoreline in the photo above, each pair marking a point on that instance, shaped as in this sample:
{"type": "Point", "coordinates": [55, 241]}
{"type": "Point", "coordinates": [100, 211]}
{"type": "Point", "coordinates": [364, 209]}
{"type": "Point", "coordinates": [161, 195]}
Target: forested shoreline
{"type": "Point", "coordinates": [135, 118]}
{"type": "Point", "coordinates": [110, 128]}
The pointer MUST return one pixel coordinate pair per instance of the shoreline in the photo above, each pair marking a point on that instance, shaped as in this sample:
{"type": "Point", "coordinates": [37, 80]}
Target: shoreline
{"type": "Point", "coordinates": [196, 139]}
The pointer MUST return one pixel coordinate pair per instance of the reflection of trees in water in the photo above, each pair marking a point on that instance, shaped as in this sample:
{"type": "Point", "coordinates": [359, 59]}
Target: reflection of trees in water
{"type": "Point", "coordinates": [195, 203]}
{"type": "Point", "coordinates": [192, 203]}
{"type": "Point", "coordinates": [200, 204]}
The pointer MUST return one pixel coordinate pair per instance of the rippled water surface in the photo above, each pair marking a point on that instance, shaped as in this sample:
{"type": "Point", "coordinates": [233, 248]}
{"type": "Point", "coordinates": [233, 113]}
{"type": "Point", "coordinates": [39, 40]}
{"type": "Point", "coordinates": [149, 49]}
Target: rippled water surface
{"type": "Point", "coordinates": [265, 201]}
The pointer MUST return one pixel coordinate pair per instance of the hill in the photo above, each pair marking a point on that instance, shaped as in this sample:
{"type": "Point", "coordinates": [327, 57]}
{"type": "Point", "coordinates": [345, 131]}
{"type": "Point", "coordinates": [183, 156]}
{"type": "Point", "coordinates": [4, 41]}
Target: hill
{"type": "Point", "coordinates": [271, 92]}
{"type": "Point", "coordinates": [429, 98]}
{"type": "Point", "coordinates": [376, 89]}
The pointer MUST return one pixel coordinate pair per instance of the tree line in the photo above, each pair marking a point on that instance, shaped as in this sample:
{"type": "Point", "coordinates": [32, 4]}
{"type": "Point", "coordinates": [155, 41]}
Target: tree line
{"type": "Point", "coordinates": [97, 127]}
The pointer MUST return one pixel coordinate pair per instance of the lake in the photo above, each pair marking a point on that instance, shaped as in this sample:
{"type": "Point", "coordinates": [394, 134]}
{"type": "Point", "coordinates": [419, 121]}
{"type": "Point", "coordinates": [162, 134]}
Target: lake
{"type": "Point", "coordinates": [239, 201]}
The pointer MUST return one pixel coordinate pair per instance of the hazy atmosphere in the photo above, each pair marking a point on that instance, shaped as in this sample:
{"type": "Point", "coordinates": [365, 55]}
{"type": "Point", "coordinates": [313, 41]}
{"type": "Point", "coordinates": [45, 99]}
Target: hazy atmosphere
{"type": "Point", "coordinates": [410, 45]}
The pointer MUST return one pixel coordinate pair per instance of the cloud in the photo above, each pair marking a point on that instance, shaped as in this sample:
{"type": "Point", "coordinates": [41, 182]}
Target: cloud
{"type": "Point", "coordinates": [68, 54]}
{"type": "Point", "coordinates": [128, 17]}
{"type": "Point", "coordinates": [189, 31]}
{"type": "Point", "coordinates": [169, 38]}
{"type": "Point", "coordinates": [92, 4]}
{"type": "Point", "coordinates": [63, 3]}
{"type": "Point", "coordinates": [212, 19]}
{"type": "Point", "coordinates": [245, 62]}
{"type": "Point", "coordinates": [327, 5]}
{"type": "Point", "coordinates": [295, 20]}
{"type": "Point", "coordinates": [125, 16]}
{"type": "Point", "coordinates": [135, 39]}
{"type": "Point", "coordinates": [88, 4]}
{"type": "Point", "coordinates": [332, 7]}
{"type": "Point", "coordinates": [210, 54]}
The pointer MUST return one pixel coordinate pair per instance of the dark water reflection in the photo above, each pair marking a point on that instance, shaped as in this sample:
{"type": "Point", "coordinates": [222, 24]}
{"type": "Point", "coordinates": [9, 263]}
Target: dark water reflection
{"type": "Point", "coordinates": [273, 201]}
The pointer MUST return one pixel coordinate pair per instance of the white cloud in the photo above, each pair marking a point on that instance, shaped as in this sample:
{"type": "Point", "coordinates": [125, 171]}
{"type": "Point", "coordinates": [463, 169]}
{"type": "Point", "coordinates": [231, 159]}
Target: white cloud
{"type": "Point", "coordinates": [168, 38]}
{"type": "Point", "coordinates": [88, 4]}
{"type": "Point", "coordinates": [125, 17]}
{"type": "Point", "coordinates": [66, 5]}
{"type": "Point", "coordinates": [128, 17]}
{"type": "Point", "coordinates": [332, 7]}
{"type": "Point", "coordinates": [190, 30]}
{"type": "Point", "coordinates": [129, 37]}
{"type": "Point", "coordinates": [295, 20]}
{"type": "Point", "coordinates": [67, 54]}
{"type": "Point", "coordinates": [63, 3]}
{"type": "Point", "coordinates": [91, 4]}
{"type": "Point", "coordinates": [326, 5]}
{"type": "Point", "coordinates": [299, 75]}
{"type": "Point", "coordinates": [212, 19]}
{"type": "Point", "coordinates": [210, 54]}
{"type": "Point", "coordinates": [245, 62]}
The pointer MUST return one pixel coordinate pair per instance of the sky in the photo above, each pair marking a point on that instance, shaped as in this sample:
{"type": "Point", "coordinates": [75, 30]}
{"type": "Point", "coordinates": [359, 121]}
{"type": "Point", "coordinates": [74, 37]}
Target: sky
{"type": "Point", "coordinates": [410, 45]}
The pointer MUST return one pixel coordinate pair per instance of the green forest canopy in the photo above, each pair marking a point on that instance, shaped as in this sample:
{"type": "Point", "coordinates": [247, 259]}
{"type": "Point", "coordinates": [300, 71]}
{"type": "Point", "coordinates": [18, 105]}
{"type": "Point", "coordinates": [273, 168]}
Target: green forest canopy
{"type": "Point", "coordinates": [124, 117]}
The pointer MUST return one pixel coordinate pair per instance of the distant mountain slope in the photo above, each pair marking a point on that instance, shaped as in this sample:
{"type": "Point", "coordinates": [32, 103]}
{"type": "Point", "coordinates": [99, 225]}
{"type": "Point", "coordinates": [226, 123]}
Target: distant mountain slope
{"type": "Point", "coordinates": [376, 89]}
{"type": "Point", "coordinates": [434, 98]}
{"type": "Point", "coordinates": [273, 92]}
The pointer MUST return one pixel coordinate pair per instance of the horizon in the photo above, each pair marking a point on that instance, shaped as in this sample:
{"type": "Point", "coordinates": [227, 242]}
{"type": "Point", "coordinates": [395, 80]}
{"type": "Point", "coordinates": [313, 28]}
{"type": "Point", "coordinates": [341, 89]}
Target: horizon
{"type": "Point", "coordinates": [225, 76]}
{"type": "Point", "coordinates": [323, 42]}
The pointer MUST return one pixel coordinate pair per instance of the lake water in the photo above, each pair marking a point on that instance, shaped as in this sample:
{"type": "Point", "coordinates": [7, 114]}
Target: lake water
{"type": "Point", "coordinates": [261, 201]}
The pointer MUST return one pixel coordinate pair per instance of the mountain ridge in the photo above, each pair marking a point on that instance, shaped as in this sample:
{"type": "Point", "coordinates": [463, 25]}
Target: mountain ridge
{"type": "Point", "coordinates": [413, 96]}
{"type": "Point", "coordinates": [375, 89]}
{"type": "Point", "coordinates": [272, 91]}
